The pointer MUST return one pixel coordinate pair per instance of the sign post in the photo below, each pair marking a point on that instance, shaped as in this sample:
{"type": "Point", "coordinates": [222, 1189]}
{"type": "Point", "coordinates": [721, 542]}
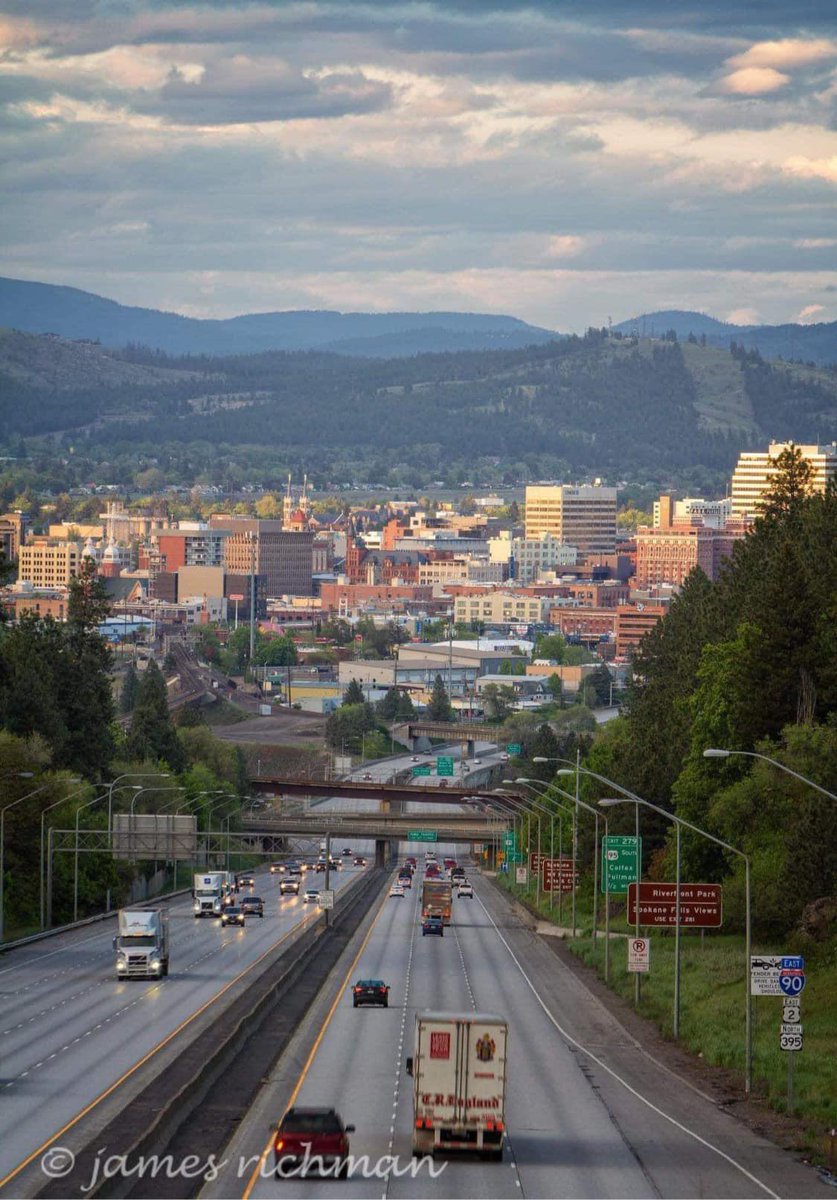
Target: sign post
{"type": "Point", "coordinates": [639, 955]}
{"type": "Point", "coordinates": [557, 875]}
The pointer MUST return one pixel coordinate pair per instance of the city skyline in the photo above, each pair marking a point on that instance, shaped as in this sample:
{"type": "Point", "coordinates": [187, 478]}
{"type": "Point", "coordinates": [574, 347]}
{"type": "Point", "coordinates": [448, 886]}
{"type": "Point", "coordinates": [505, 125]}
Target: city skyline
{"type": "Point", "coordinates": [558, 163]}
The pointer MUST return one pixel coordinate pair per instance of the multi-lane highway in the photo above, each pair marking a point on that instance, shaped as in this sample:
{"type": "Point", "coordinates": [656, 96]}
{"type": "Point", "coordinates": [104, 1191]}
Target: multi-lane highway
{"type": "Point", "coordinates": [589, 1114]}
{"type": "Point", "coordinates": [70, 1030]}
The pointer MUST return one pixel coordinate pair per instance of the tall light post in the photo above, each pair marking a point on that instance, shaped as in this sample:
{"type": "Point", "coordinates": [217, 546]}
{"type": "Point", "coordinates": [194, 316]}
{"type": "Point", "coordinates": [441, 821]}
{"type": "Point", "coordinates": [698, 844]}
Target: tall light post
{"type": "Point", "coordinates": [531, 807]}
{"type": "Point", "coordinates": [494, 804]}
{"type": "Point", "coordinates": [186, 804]}
{"type": "Point", "coordinates": [578, 803]}
{"type": "Point", "coordinates": [80, 808]}
{"type": "Point", "coordinates": [128, 775]}
{"type": "Point", "coordinates": [136, 797]}
{"type": "Point", "coordinates": [716, 753]}
{"type": "Point", "coordinates": [218, 804]}
{"type": "Point", "coordinates": [44, 812]}
{"type": "Point", "coordinates": [11, 804]}
{"type": "Point", "coordinates": [748, 1010]}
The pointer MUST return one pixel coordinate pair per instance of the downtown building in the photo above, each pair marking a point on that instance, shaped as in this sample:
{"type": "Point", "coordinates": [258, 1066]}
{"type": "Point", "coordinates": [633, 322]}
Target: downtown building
{"type": "Point", "coordinates": [580, 516]}
{"type": "Point", "coordinates": [262, 547]}
{"type": "Point", "coordinates": [753, 476]}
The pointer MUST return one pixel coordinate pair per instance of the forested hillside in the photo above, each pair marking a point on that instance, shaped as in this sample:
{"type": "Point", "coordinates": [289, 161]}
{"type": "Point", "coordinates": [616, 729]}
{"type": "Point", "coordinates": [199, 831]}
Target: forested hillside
{"type": "Point", "coordinates": [601, 404]}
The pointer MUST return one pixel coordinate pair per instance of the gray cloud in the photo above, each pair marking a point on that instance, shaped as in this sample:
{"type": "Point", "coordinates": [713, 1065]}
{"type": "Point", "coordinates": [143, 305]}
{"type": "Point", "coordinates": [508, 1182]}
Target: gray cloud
{"type": "Point", "coordinates": [219, 157]}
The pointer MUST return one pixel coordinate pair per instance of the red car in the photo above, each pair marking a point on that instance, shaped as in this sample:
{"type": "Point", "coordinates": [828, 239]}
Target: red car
{"type": "Point", "coordinates": [312, 1133]}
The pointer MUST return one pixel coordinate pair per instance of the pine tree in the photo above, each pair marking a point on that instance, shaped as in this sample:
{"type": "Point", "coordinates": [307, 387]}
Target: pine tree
{"type": "Point", "coordinates": [439, 708]}
{"type": "Point", "coordinates": [354, 693]}
{"type": "Point", "coordinates": [130, 689]}
{"type": "Point", "coordinates": [153, 735]}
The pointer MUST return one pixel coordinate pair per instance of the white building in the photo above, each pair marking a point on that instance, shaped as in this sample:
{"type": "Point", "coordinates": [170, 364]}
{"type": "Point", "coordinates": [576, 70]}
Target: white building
{"type": "Point", "coordinates": [752, 477]}
{"type": "Point", "coordinates": [528, 558]}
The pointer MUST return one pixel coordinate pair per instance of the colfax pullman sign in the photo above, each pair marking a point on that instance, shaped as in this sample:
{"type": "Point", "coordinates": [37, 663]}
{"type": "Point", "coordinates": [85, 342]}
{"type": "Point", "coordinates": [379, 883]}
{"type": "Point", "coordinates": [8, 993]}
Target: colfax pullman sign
{"type": "Point", "coordinates": [701, 904]}
{"type": "Point", "coordinates": [557, 875]}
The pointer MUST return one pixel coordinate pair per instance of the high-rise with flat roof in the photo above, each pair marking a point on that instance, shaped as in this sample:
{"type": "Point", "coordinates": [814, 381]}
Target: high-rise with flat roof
{"type": "Point", "coordinates": [262, 546]}
{"type": "Point", "coordinates": [754, 473]}
{"type": "Point", "coordinates": [582, 516]}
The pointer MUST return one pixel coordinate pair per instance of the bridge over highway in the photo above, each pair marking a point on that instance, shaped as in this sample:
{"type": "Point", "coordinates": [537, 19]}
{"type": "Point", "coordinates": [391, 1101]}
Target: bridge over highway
{"type": "Point", "coordinates": [353, 788]}
{"type": "Point", "coordinates": [449, 827]}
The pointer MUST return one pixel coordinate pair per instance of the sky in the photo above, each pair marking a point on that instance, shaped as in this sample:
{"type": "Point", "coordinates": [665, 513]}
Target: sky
{"type": "Point", "coordinates": [562, 161]}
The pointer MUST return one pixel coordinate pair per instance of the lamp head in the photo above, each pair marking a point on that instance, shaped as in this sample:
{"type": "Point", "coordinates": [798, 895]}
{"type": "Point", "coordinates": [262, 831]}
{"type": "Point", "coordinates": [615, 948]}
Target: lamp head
{"type": "Point", "coordinates": [610, 801]}
{"type": "Point", "coordinates": [714, 753]}
{"type": "Point", "coordinates": [540, 758]}
{"type": "Point", "coordinates": [565, 771]}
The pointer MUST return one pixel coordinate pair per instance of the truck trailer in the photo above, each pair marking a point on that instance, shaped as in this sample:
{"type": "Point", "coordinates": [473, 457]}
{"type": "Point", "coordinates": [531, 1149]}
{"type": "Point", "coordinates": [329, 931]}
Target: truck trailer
{"type": "Point", "coordinates": [208, 891]}
{"type": "Point", "coordinates": [142, 943]}
{"type": "Point", "coordinates": [436, 899]}
{"type": "Point", "coordinates": [458, 1068]}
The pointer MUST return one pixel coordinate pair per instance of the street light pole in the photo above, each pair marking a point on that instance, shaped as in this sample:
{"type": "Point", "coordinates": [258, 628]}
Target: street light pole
{"type": "Point", "coordinates": [716, 753]}
{"type": "Point", "coordinates": [49, 807]}
{"type": "Point", "coordinates": [748, 1010]}
{"type": "Point", "coordinates": [80, 808]}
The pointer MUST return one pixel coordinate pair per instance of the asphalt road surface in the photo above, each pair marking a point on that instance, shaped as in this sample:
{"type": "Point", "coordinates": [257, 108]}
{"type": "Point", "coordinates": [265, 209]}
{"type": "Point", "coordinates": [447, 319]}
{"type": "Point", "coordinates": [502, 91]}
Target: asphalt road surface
{"type": "Point", "coordinates": [69, 1029]}
{"type": "Point", "coordinates": [589, 1114]}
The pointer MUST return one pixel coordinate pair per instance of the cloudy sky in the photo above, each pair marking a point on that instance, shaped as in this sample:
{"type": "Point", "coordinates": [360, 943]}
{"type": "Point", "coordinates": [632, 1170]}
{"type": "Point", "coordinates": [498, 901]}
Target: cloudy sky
{"type": "Point", "coordinates": [564, 161]}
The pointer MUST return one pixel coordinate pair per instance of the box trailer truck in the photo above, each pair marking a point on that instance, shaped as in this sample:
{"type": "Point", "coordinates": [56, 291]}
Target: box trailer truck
{"type": "Point", "coordinates": [142, 943]}
{"type": "Point", "coordinates": [458, 1068]}
{"type": "Point", "coordinates": [436, 899]}
{"type": "Point", "coordinates": [208, 891]}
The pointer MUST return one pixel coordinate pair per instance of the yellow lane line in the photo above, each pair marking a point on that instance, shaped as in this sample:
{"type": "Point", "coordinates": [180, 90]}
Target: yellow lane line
{"type": "Point", "coordinates": [251, 1182]}
{"type": "Point", "coordinates": [154, 1050]}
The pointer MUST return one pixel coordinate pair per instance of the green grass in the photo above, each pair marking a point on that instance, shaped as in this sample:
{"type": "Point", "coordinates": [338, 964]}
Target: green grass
{"type": "Point", "coordinates": [712, 1006]}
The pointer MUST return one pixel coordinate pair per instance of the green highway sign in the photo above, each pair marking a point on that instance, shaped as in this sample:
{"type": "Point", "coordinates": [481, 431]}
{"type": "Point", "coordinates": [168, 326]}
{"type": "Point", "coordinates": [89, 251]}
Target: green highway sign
{"type": "Point", "coordinates": [421, 835]}
{"type": "Point", "coordinates": [444, 766]}
{"type": "Point", "coordinates": [619, 863]}
{"type": "Point", "coordinates": [514, 748]}
{"type": "Point", "coordinates": [510, 847]}
{"type": "Point", "coordinates": [421, 770]}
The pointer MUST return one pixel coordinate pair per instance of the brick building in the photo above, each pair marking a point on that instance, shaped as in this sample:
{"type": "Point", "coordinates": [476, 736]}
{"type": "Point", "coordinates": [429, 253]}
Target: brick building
{"type": "Point", "coordinates": [284, 558]}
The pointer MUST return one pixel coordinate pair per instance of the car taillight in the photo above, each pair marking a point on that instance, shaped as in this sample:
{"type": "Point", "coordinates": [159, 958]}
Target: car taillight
{"type": "Point", "coordinates": [279, 1144]}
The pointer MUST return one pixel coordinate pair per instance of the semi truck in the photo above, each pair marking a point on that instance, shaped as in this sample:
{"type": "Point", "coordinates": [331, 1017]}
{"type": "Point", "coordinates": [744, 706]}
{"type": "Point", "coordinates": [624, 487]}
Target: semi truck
{"type": "Point", "coordinates": [142, 943]}
{"type": "Point", "coordinates": [458, 1068]}
{"type": "Point", "coordinates": [208, 891]}
{"type": "Point", "coordinates": [436, 899]}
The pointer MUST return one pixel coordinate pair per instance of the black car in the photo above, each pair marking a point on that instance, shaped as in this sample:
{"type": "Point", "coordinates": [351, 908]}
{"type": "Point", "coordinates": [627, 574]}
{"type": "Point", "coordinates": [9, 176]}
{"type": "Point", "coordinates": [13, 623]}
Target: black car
{"type": "Point", "coordinates": [233, 915]}
{"type": "Point", "coordinates": [252, 906]}
{"type": "Point", "coordinates": [433, 925]}
{"type": "Point", "coordinates": [360, 861]}
{"type": "Point", "coordinates": [370, 991]}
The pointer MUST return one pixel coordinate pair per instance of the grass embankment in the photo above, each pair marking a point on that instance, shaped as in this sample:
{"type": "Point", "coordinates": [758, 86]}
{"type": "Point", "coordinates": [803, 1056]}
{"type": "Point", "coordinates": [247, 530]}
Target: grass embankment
{"type": "Point", "coordinates": [712, 1001]}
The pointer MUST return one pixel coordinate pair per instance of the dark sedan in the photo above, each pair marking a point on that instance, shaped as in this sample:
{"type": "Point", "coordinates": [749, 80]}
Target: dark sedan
{"type": "Point", "coordinates": [234, 915]}
{"type": "Point", "coordinates": [252, 906]}
{"type": "Point", "coordinates": [370, 991]}
{"type": "Point", "coordinates": [433, 925]}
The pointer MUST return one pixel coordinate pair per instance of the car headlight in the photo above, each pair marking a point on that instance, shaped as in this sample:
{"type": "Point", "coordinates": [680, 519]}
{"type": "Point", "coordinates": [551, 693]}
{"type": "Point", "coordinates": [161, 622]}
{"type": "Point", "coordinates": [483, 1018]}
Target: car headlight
{"type": "Point", "coordinates": [121, 965]}
{"type": "Point", "coordinates": [155, 964]}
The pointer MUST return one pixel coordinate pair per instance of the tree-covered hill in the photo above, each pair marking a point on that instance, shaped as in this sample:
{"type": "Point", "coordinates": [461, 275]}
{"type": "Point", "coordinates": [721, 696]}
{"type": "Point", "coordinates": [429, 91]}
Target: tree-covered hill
{"type": "Point", "coordinates": [603, 403]}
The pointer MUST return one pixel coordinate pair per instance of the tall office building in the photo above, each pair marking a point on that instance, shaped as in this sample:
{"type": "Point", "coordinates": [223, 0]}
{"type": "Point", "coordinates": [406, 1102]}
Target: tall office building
{"type": "Point", "coordinates": [584, 517]}
{"type": "Point", "coordinates": [752, 477]}
{"type": "Point", "coordinates": [262, 546]}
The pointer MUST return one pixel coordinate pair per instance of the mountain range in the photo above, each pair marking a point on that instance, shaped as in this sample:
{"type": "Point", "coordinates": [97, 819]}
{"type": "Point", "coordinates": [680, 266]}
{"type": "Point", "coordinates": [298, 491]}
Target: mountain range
{"type": "Point", "coordinates": [74, 314]}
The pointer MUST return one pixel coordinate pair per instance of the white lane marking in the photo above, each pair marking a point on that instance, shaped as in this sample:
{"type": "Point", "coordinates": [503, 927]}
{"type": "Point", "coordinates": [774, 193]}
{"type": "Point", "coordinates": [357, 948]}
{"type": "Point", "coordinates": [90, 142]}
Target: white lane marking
{"type": "Point", "coordinates": [618, 1078]}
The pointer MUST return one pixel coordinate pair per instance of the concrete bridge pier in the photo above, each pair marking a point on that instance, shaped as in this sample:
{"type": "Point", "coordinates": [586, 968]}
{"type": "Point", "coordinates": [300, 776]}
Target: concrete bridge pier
{"type": "Point", "coordinates": [382, 852]}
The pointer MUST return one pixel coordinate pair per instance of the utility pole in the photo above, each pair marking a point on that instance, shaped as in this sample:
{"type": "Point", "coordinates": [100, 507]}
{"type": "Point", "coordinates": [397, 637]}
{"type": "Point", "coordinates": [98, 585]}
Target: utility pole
{"type": "Point", "coordinates": [252, 598]}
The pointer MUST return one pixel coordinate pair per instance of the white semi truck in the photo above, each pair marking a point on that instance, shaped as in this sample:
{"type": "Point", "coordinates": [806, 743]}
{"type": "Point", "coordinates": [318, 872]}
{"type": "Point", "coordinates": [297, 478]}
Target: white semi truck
{"type": "Point", "coordinates": [208, 891]}
{"type": "Point", "coordinates": [459, 1083]}
{"type": "Point", "coordinates": [142, 943]}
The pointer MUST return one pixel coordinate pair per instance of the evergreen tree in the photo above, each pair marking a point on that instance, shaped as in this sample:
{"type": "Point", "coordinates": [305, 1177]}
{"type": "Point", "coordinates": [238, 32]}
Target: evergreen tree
{"type": "Point", "coordinates": [153, 735]}
{"type": "Point", "coordinates": [439, 708]}
{"type": "Point", "coordinates": [354, 693]}
{"type": "Point", "coordinates": [792, 482]}
{"type": "Point", "coordinates": [130, 688]}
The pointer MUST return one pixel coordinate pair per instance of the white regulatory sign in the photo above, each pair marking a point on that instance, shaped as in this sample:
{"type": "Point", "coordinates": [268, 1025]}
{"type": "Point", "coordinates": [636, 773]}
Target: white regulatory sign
{"type": "Point", "coordinates": [639, 954]}
{"type": "Point", "coordinates": [327, 899]}
{"type": "Point", "coordinates": [790, 1029]}
{"type": "Point", "coordinates": [764, 975]}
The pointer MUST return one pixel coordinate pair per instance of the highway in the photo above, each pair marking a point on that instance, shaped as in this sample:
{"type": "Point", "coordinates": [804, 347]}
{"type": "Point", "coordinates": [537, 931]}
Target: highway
{"type": "Point", "coordinates": [70, 1029]}
{"type": "Point", "coordinates": [589, 1114]}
